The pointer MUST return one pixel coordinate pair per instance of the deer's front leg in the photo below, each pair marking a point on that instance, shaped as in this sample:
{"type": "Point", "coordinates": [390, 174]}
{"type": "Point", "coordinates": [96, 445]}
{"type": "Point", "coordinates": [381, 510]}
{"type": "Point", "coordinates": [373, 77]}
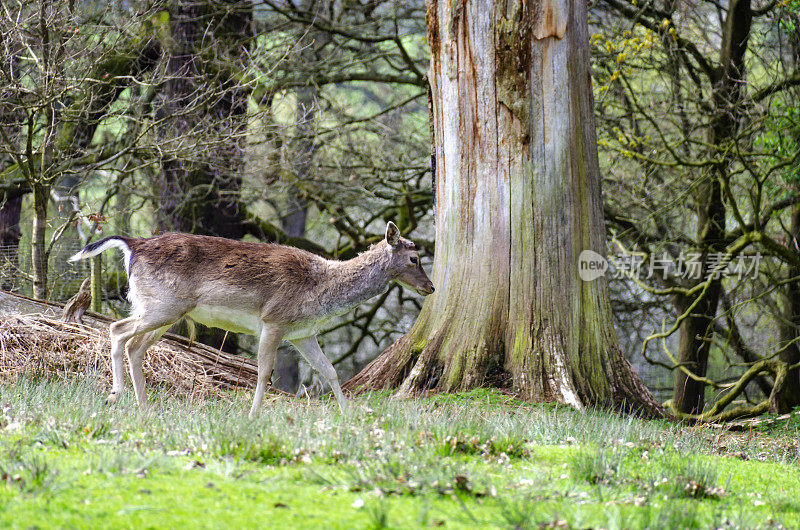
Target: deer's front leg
{"type": "Point", "coordinates": [313, 354]}
{"type": "Point", "coordinates": [268, 343]}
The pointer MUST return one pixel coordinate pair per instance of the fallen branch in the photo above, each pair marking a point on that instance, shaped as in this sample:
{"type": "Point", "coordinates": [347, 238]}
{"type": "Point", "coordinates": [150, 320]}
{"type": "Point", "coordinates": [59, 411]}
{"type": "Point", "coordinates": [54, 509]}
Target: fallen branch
{"type": "Point", "coordinates": [717, 412]}
{"type": "Point", "coordinates": [43, 345]}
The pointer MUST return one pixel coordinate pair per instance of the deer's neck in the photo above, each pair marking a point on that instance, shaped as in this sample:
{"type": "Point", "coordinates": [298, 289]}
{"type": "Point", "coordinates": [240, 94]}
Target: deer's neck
{"type": "Point", "coordinates": [352, 282]}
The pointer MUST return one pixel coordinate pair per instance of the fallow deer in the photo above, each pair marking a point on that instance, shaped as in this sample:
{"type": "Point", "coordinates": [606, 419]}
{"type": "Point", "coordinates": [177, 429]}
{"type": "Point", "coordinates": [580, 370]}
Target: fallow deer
{"type": "Point", "coordinates": [272, 291]}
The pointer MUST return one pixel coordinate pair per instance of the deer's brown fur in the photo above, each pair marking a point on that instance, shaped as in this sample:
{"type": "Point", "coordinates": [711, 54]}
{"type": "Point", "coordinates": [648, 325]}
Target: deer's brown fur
{"type": "Point", "coordinates": [269, 290]}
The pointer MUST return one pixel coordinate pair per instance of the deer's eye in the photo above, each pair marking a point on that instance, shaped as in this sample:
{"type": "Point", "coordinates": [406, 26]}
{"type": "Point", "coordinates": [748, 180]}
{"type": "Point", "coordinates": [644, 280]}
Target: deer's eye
{"type": "Point", "coordinates": [415, 260]}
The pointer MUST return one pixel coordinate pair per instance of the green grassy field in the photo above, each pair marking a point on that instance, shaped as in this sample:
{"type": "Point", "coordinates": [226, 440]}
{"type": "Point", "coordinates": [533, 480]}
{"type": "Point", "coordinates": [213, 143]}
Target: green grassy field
{"type": "Point", "coordinates": [470, 460]}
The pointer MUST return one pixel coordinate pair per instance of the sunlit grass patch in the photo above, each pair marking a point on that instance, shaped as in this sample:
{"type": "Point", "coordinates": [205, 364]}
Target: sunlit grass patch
{"type": "Point", "coordinates": [28, 473]}
{"type": "Point", "coordinates": [466, 460]}
{"type": "Point", "coordinates": [598, 466]}
{"type": "Point", "coordinates": [503, 448]}
{"type": "Point", "coordinates": [408, 474]}
{"type": "Point", "coordinates": [689, 477]}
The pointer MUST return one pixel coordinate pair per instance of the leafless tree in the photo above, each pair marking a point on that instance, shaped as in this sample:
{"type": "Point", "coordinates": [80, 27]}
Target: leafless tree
{"type": "Point", "coordinates": [701, 143]}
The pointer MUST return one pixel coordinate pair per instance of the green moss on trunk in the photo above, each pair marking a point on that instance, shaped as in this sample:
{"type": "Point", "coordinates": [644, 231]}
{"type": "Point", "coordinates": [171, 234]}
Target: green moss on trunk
{"type": "Point", "coordinates": [518, 198]}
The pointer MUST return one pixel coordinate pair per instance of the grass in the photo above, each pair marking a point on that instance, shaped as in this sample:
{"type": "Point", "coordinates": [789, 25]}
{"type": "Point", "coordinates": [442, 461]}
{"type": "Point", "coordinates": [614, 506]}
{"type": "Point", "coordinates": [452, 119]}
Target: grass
{"type": "Point", "coordinates": [474, 459]}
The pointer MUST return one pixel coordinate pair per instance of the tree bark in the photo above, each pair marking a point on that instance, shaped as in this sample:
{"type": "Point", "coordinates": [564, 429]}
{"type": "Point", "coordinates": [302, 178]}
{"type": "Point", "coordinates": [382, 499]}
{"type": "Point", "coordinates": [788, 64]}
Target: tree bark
{"type": "Point", "coordinates": [38, 250]}
{"type": "Point", "coordinates": [518, 199]}
{"type": "Point", "coordinates": [697, 329]}
{"type": "Point", "coordinates": [201, 194]}
{"type": "Point", "coordinates": [293, 223]}
{"type": "Point", "coordinates": [11, 192]}
{"type": "Point", "coordinates": [790, 329]}
{"type": "Point", "coordinates": [10, 235]}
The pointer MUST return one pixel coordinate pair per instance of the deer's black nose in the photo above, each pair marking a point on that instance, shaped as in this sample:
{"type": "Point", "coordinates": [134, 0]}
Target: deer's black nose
{"type": "Point", "coordinates": [432, 288]}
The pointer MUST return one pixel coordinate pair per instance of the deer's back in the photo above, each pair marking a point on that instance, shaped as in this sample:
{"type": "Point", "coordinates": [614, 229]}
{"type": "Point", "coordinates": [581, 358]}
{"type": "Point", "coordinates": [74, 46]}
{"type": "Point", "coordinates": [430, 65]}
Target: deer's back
{"type": "Point", "coordinates": [275, 281]}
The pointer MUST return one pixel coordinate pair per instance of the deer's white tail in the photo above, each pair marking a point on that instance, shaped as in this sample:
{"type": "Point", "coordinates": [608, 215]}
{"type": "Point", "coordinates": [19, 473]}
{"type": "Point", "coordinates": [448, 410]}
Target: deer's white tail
{"type": "Point", "coordinates": [98, 247]}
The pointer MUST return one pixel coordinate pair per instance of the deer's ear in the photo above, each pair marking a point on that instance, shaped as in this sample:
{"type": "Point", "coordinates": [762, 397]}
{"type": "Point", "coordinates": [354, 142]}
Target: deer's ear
{"type": "Point", "coordinates": [392, 234]}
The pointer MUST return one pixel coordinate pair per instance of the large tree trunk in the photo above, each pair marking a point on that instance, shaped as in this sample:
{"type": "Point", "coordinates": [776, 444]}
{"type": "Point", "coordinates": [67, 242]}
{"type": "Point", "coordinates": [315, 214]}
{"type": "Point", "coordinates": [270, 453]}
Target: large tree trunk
{"type": "Point", "coordinates": [518, 199]}
{"type": "Point", "coordinates": [12, 192]}
{"type": "Point", "coordinates": [697, 329]}
{"type": "Point", "coordinates": [199, 189]}
{"type": "Point", "coordinates": [293, 222]}
{"type": "Point", "coordinates": [10, 235]}
{"type": "Point", "coordinates": [38, 249]}
{"type": "Point", "coordinates": [790, 329]}
{"type": "Point", "coordinates": [287, 368]}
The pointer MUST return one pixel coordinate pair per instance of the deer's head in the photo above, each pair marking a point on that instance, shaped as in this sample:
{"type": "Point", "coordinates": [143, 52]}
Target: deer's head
{"type": "Point", "coordinates": [404, 263]}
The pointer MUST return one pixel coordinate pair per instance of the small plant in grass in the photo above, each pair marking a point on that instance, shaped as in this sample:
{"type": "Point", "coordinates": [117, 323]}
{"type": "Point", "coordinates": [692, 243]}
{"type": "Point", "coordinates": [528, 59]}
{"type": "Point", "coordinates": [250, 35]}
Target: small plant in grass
{"type": "Point", "coordinates": [52, 437]}
{"type": "Point", "coordinates": [29, 474]}
{"type": "Point", "coordinates": [597, 466]}
{"type": "Point", "coordinates": [688, 479]}
{"type": "Point", "coordinates": [40, 475]}
{"type": "Point", "coordinates": [519, 513]}
{"type": "Point", "coordinates": [406, 475]}
{"type": "Point", "coordinates": [110, 461]}
{"type": "Point", "coordinates": [378, 514]}
{"type": "Point", "coordinates": [668, 515]}
{"type": "Point", "coordinates": [699, 481]}
{"type": "Point", "coordinates": [529, 511]}
{"type": "Point", "coordinates": [96, 426]}
{"type": "Point", "coordinates": [474, 445]}
{"type": "Point", "coordinates": [269, 451]}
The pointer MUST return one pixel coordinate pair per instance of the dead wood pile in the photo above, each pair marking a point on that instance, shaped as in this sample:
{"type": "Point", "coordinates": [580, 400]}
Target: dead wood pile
{"type": "Point", "coordinates": [37, 344]}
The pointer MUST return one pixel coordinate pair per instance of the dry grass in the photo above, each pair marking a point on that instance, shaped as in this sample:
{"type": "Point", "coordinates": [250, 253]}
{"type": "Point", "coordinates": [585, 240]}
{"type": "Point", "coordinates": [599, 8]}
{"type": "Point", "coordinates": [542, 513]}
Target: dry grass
{"type": "Point", "coordinates": [38, 345]}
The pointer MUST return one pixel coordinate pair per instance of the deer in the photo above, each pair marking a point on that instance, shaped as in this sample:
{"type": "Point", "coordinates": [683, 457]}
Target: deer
{"type": "Point", "coordinates": [272, 291]}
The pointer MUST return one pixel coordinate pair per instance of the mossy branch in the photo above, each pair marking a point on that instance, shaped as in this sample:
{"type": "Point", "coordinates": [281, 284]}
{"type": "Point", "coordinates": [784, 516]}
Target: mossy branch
{"type": "Point", "coordinates": [717, 411]}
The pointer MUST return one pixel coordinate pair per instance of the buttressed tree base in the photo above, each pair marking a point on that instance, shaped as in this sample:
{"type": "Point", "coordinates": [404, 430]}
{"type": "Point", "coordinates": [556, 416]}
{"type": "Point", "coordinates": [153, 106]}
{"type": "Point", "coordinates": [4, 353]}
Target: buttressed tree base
{"type": "Point", "coordinates": [517, 190]}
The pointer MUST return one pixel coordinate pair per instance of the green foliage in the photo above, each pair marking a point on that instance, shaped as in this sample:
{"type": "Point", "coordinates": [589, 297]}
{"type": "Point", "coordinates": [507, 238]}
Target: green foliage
{"type": "Point", "coordinates": [779, 138]}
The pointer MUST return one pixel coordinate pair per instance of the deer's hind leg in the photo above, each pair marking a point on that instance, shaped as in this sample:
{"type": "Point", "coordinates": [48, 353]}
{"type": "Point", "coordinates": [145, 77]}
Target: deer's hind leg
{"type": "Point", "coordinates": [137, 346]}
{"type": "Point", "coordinates": [122, 333]}
{"type": "Point", "coordinates": [268, 343]}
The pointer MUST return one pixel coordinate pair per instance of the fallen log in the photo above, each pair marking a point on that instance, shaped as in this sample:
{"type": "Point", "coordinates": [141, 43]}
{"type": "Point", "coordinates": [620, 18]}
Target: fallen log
{"type": "Point", "coordinates": [35, 341]}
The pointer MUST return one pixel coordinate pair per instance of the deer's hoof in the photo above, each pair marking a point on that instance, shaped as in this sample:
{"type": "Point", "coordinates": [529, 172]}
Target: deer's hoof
{"type": "Point", "coordinates": [112, 398]}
